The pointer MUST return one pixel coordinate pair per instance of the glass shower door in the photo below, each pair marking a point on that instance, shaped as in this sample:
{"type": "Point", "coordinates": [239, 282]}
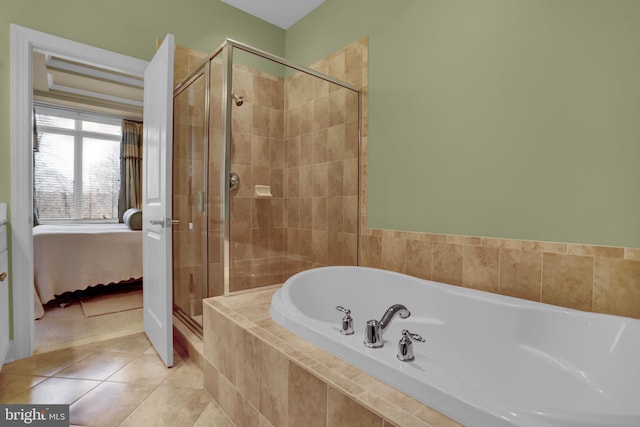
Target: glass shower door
{"type": "Point", "coordinates": [189, 198]}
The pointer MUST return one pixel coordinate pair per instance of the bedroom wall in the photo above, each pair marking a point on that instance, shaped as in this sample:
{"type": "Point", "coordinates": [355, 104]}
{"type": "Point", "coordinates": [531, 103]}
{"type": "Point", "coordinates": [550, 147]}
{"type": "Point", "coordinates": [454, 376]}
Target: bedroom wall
{"type": "Point", "coordinates": [130, 28]}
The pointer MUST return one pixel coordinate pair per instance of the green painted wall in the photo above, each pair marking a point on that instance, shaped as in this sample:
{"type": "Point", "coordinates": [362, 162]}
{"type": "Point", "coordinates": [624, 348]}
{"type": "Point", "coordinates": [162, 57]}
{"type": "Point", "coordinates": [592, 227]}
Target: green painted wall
{"type": "Point", "coordinates": [516, 119]}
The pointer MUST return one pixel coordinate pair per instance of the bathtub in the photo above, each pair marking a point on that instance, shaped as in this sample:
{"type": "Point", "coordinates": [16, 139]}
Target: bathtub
{"type": "Point", "coordinates": [488, 359]}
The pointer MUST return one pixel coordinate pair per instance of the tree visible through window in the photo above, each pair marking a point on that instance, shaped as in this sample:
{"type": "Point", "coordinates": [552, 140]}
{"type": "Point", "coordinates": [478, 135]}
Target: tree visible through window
{"type": "Point", "coordinates": [76, 166]}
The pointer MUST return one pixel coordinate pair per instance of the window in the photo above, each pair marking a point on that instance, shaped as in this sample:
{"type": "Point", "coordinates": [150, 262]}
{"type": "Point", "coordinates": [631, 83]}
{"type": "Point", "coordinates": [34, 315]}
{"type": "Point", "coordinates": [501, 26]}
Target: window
{"type": "Point", "coordinates": [76, 169]}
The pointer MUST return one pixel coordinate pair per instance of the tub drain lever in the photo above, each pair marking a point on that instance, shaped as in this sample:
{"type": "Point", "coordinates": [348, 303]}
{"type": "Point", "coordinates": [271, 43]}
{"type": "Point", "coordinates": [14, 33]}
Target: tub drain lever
{"type": "Point", "coordinates": [405, 346]}
{"type": "Point", "coordinates": [347, 321]}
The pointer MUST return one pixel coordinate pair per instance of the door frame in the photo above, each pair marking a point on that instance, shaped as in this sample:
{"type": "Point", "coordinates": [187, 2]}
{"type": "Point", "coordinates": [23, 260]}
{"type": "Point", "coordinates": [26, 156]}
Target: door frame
{"type": "Point", "coordinates": [24, 42]}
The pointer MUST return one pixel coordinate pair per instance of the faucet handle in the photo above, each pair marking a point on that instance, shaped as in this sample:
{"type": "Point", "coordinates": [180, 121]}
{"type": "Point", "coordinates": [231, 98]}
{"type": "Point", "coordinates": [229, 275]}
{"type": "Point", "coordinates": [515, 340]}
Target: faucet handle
{"type": "Point", "coordinates": [406, 333]}
{"type": "Point", "coordinates": [405, 346]}
{"type": "Point", "coordinates": [347, 321]}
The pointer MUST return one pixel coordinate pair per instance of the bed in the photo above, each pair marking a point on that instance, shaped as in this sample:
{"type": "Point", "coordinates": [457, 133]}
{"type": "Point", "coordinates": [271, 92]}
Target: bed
{"type": "Point", "coordinates": [74, 257]}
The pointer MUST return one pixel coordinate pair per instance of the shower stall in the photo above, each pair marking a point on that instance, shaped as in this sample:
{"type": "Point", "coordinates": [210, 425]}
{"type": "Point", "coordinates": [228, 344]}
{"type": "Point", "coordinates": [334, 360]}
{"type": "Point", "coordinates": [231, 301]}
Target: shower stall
{"type": "Point", "coordinates": [266, 175]}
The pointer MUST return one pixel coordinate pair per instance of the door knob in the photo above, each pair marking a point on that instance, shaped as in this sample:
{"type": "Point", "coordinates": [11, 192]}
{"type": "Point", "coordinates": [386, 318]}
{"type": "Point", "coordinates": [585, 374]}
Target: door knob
{"type": "Point", "coordinates": [159, 222]}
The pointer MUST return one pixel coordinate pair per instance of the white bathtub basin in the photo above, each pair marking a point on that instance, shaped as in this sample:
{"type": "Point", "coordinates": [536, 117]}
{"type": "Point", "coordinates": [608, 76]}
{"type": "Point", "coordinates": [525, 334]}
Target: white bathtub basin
{"type": "Point", "coordinates": [488, 360]}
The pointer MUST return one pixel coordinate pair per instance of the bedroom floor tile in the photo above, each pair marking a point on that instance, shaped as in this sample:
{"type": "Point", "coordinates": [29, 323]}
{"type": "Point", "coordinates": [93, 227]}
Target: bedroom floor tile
{"type": "Point", "coordinates": [118, 382]}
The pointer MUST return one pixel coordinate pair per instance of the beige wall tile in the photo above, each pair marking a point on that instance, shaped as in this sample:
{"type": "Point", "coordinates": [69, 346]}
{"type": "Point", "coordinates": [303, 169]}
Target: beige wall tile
{"type": "Point", "coordinates": [551, 247]}
{"type": "Point", "coordinates": [480, 268]}
{"type": "Point", "coordinates": [224, 348]}
{"type": "Point", "coordinates": [371, 255]}
{"type": "Point", "coordinates": [447, 263]}
{"type": "Point", "coordinates": [344, 411]}
{"type": "Point", "coordinates": [306, 245]}
{"type": "Point", "coordinates": [616, 287]}
{"type": "Point", "coordinates": [306, 212]}
{"type": "Point", "coordinates": [567, 280]}
{"type": "Point", "coordinates": [418, 258]}
{"type": "Point", "coordinates": [247, 372]}
{"type": "Point", "coordinates": [274, 373]}
{"type": "Point", "coordinates": [335, 213]}
{"type": "Point", "coordinates": [246, 414]}
{"type": "Point", "coordinates": [307, 404]}
{"type": "Point", "coordinates": [336, 143]}
{"type": "Point", "coordinates": [211, 380]}
{"type": "Point", "coordinates": [464, 240]}
{"type": "Point", "coordinates": [593, 250]}
{"type": "Point", "coordinates": [520, 274]}
{"type": "Point", "coordinates": [335, 248]}
{"type": "Point", "coordinates": [632, 253]}
{"type": "Point", "coordinates": [350, 214]}
{"type": "Point", "coordinates": [319, 146]}
{"type": "Point", "coordinates": [435, 418]}
{"type": "Point", "coordinates": [320, 246]}
{"type": "Point", "coordinates": [320, 179]}
{"type": "Point", "coordinates": [393, 254]}
{"type": "Point", "coordinates": [228, 399]}
{"type": "Point", "coordinates": [319, 214]}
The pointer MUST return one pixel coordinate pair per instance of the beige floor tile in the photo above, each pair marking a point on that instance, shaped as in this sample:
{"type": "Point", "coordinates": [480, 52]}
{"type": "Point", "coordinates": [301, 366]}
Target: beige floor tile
{"type": "Point", "coordinates": [108, 404]}
{"type": "Point", "coordinates": [13, 384]}
{"type": "Point", "coordinates": [143, 369]}
{"type": "Point", "coordinates": [170, 407]}
{"type": "Point", "coordinates": [96, 366]}
{"type": "Point", "coordinates": [186, 374]}
{"type": "Point", "coordinates": [45, 364]}
{"type": "Point", "coordinates": [55, 391]}
{"type": "Point", "coordinates": [212, 416]}
{"type": "Point", "coordinates": [135, 343]}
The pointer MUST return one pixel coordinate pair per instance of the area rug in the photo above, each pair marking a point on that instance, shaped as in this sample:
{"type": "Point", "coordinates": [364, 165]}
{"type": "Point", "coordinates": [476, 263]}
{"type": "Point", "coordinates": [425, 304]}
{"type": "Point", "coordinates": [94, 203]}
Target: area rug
{"type": "Point", "coordinates": [98, 305]}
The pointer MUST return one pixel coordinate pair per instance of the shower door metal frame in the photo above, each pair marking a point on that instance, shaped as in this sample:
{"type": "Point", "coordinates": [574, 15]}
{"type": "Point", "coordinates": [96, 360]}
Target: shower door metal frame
{"type": "Point", "coordinates": [226, 48]}
{"type": "Point", "coordinates": [202, 71]}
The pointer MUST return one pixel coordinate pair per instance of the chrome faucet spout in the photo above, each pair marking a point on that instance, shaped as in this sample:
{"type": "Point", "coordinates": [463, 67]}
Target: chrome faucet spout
{"type": "Point", "coordinates": [391, 312]}
{"type": "Point", "coordinates": [374, 329]}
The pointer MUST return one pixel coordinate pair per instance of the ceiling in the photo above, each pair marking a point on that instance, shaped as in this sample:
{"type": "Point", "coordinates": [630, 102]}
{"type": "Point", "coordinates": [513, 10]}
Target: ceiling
{"type": "Point", "coordinates": [72, 84]}
{"type": "Point", "coordinates": [283, 13]}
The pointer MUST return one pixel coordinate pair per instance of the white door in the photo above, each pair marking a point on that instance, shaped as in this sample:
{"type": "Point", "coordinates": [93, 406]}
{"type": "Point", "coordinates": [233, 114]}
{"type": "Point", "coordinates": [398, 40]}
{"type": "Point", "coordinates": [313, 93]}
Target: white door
{"type": "Point", "coordinates": [156, 200]}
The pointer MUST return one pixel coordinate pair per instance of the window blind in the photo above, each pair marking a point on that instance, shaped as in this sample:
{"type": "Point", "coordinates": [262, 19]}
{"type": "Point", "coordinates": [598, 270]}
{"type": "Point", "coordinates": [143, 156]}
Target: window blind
{"type": "Point", "coordinates": [77, 166]}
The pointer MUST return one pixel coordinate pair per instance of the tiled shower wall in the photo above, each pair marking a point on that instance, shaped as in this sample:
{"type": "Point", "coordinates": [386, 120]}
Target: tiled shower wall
{"type": "Point", "coordinates": [321, 172]}
{"type": "Point", "coordinates": [257, 150]}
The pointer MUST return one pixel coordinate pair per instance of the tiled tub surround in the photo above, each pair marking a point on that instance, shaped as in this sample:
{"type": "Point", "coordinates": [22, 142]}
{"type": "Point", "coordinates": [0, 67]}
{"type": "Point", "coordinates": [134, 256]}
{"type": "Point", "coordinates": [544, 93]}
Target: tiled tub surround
{"type": "Point", "coordinates": [489, 360]}
{"type": "Point", "coordinates": [601, 279]}
{"type": "Point", "coordinates": [263, 375]}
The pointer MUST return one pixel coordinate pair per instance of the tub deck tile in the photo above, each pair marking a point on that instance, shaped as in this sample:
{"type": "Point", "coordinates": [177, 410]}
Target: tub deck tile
{"type": "Point", "coordinates": [250, 312]}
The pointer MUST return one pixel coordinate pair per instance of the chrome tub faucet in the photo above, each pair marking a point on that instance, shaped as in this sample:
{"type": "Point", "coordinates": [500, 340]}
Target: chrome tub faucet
{"type": "Point", "coordinates": [374, 329]}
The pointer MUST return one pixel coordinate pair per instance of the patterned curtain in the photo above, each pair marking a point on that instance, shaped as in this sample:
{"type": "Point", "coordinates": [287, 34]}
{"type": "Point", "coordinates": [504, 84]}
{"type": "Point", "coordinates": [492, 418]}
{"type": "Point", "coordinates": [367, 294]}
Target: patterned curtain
{"type": "Point", "coordinates": [130, 167]}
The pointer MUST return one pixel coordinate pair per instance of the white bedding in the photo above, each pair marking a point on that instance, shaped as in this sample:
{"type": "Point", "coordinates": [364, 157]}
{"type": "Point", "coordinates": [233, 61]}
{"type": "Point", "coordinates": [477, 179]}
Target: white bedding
{"type": "Point", "coordinates": [75, 256]}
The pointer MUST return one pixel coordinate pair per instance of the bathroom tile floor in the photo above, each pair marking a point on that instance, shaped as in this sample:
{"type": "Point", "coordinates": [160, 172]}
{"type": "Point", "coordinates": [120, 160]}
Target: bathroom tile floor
{"type": "Point", "coordinates": [117, 382]}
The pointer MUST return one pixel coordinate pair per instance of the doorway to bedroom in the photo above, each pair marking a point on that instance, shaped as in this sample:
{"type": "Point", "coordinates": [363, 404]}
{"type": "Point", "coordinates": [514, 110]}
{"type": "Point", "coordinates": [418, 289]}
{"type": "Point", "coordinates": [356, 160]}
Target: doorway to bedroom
{"type": "Point", "coordinates": [87, 258]}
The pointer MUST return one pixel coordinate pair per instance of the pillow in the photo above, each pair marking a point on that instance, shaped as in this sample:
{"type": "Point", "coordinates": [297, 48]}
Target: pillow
{"type": "Point", "coordinates": [133, 218]}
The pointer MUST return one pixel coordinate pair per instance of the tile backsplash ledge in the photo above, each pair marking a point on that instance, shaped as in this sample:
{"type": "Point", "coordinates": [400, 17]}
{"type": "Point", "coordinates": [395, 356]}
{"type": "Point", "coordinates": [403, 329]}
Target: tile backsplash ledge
{"type": "Point", "coordinates": [600, 279]}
